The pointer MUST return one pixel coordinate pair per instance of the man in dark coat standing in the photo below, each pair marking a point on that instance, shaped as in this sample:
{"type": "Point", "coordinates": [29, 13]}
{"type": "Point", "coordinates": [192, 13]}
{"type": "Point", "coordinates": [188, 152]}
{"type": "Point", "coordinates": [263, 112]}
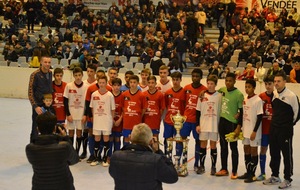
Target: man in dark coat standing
{"type": "Point", "coordinates": [30, 9]}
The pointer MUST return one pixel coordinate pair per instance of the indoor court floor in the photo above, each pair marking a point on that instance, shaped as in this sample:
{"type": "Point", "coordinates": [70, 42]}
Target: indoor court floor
{"type": "Point", "coordinates": [16, 172]}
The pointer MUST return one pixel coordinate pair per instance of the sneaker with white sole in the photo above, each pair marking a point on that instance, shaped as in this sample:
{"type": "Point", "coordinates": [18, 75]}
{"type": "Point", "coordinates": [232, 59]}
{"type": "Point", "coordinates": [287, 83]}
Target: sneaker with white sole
{"type": "Point", "coordinates": [261, 177]}
{"type": "Point", "coordinates": [96, 162]}
{"type": "Point", "coordinates": [285, 184]}
{"type": "Point", "coordinates": [272, 181]}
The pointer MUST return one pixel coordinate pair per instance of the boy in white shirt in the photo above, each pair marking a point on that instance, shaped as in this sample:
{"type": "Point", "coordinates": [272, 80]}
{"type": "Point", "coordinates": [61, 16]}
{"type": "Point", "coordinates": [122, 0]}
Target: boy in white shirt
{"type": "Point", "coordinates": [74, 102]}
{"type": "Point", "coordinates": [252, 117]}
{"type": "Point", "coordinates": [103, 109]}
{"type": "Point", "coordinates": [207, 121]}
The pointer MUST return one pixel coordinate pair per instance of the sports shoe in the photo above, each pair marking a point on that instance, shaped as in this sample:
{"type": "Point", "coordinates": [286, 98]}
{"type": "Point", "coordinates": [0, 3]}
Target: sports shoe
{"type": "Point", "coordinates": [82, 156]}
{"type": "Point", "coordinates": [244, 176]}
{"type": "Point", "coordinates": [234, 175]}
{"type": "Point", "coordinates": [105, 164]}
{"type": "Point", "coordinates": [272, 181]}
{"type": "Point", "coordinates": [222, 173]}
{"type": "Point", "coordinates": [250, 179]}
{"type": "Point", "coordinates": [200, 170]}
{"type": "Point", "coordinates": [285, 184]}
{"type": "Point", "coordinates": [196, 168]}
{"type": "Point", "coordinates": [213, 171]}
{"type": "Point", "coordinates": [91, 159]}
{"type": "Point", "coordinates": [261, 177]}
{"type": "Point", "coordinates": [96, 162]}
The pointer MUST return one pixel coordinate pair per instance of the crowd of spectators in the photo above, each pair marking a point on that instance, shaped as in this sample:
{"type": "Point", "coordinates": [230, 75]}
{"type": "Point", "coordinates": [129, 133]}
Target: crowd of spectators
{"type": "Point", "coordinates": [73, 31]}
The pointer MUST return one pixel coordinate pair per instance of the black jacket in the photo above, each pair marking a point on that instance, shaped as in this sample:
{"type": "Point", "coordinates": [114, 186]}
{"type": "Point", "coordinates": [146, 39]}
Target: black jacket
{"type": "Point", "coordinates": [136, 167]}
{"type": "Point", "coordinates": [50, 157]}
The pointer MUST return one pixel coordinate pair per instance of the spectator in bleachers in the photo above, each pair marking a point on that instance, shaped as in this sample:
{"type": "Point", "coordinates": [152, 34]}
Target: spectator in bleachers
{"type": "Point", "coordinates": [173, 63]}
{"type": "Point", "coordinates": [19, 49]}
{"type": "Point", "coordinates": [51, 21]}
{"type": "Point", "coordinates": [254, 32]}
{"type": "Point", "coordinates": [27, 51]}
{"type": "Point", "coordinates": [283, 52]}
{"type": "Point", "coordinates": [101, 43]}
{"type": "Point", "coordinates": [222, 25]}
{"type": "Point", "coordinates": [269, 56]}
{"type": "Point", "coordinates": [263, 38]}
{"type": "Point", "coordinates": [116, 63]}
{"type": "Point", "coordinates": [173, 9]}
{"type": "Point", "coordinates": [201, 16]}
{"type": "Point", "coordinates": [209, 10]}
{"type": "Point", "coordinates": [155, 63]}
{"type": "Point", "coordinates": [271, 16]}
{"type": "Point", "coordinates": [196, 54]}
{"type": "Point", "coordinates": [274, 69]}
{"type": "Point", "coordinates": [280, 61]}
{"type": "Point", "coordinates": [239, 42]}
{"type": "Point", "coordinates": [83, 59]}
{"type": "Point", "coordinates": [253, 58]}
{"type": "Point", "coordinates": [30, 9]}
{"type": "Point", "coordinates": [13, 40]}
{"type": "Point", "coordinates": [248, 73]}
{"type": "Point", "coordinates": [290, 22]}
{"type": "Point", "coordinates": [295, 73]}
{"type": "Point", "coordinates": [273, 46]}
{"type": "Point", "coordinates": [221, 57]}
{"type": "Point", "coordinates": [211, 54]}
{"type": "Point", "coordinates": [146, 56]}
{"type": "Point", "coordinates": [117, 29]}
{"type": "Point", "coordinates": [10, 28]}
{"type": "Point", "coordinates": [283, 14]}
{"type": "Point", "coordinates": [287, 67]}
{"type": "Point", "coordinates": [90, 17]}
{"type": "Point", "coordinates": [245, 26]}
{"type": "Point", "coordinates": [68, 54]}
{"type": "Point", "coordinates": [244, 54]}
{"type": "Point", "coordinates": [297, 57]}
{"type": "Point", "coordinates": [79, 6]}
{"type": "Point", "coordinates": [294, 14]}
{"type": "Point", "coordinates": [127, 50]}
{"type": "Point", "coordinates": [78, 50]}
{"type": "Point", "coordinates": [9, 15]}
{"type": "Point", "coordinates": [215, 69]}
{"type": "Point", "coordinates": [116, 49]}
{"type": "Point", "coordinates": [138, 51]}
{"type": "Point", "coordinates": [76, 22]}
{"type": "Point", "coordinates": [12, 55]}
{"type": "Point", "coordinates": [70, 8]}
{"type": "Point", "coordinates": [87, 27]}
{"type": "Point", "coordinates": [77, 37]}
{"type": "Point", "coordinates": [287, 39]}
{"type": "Point", "coordinates": [278, 33]}
{"type": "Point", "coordinates": [68, 36]}
{"type": "Point", "coordinates": [182, 45]}
{"type": "Point", "coordinates": [174, 25]}
{"type": "Point", "coordinates": [260, 72]}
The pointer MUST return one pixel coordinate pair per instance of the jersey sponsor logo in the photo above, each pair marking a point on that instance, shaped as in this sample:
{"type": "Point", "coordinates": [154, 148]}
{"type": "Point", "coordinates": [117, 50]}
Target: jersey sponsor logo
{"type": "Point", "coordinates": [96, 98]}
{"type": "Point", "coordinates": [170, 95]}
{"type": "Point", "coordinates": [126, 98]}
{"type": "Point", "coordinates": [72, 91]}
{"type": "Point", "coordinates": [188, 92]}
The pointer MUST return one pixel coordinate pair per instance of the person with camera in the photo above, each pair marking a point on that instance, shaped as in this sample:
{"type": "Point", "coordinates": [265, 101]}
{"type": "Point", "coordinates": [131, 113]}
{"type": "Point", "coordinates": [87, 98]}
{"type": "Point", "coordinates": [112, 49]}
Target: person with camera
{"type": "Point", "coordinates": [141, 165]}
{"type": "Point", "coordinates": [50, 155]}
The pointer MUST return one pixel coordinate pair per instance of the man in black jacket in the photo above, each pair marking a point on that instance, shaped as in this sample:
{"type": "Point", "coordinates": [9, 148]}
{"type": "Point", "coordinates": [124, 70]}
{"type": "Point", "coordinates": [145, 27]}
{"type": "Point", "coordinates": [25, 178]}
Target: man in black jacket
{"type": "Point", "coordinates": [50, 156]}
{"type": "Point", "coordinates": [141, 165]}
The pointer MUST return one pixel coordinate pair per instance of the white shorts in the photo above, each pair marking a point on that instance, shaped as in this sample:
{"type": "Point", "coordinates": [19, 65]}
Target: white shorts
{"type": "Point", "coordinates": [76, 124]}
{"type": "Point", "coordinates": [254, 143]}
{"type": "Point", "coordinates": [101, 132]}
{"type": "Point", "coordinates": [204, 136]}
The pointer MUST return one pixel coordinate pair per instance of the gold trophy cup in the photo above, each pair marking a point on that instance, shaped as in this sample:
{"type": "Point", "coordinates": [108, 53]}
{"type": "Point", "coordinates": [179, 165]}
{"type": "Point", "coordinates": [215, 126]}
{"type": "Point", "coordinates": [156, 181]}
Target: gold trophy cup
{"type": "Point", "coordinates": [178, 121]}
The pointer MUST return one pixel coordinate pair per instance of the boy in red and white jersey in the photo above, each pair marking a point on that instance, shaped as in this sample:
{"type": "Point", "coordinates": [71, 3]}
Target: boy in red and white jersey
{"type": "Point", "coordinates": [207, 121]}
{"type": "Point", "coordinates": [192, 92]}
{"type": "Point", "coordinates": [154, 103]}
{"type": "Point", "coordinates": [164, 84]}
{"type": "Point", "coordinates": [132, 104]}
{"type": "Point", "coordinates": [91, 71]}
{"type": "Point", "coordinates": [266, 97]}
{"type": "Point", "coordinates": [58, 95]}
{"type": "Point", "coordinates": [74, 102]}
{"type": "Point", "coordinates": [175, 102]}
{"type": "Point", "coordinates": [116, 134]}
{"type": "Point", "coordinates": [103, 109]}
{"type": "Point", "coordinates": [145, 73]}
{"type": "Point", "coordinates": [252, 117]}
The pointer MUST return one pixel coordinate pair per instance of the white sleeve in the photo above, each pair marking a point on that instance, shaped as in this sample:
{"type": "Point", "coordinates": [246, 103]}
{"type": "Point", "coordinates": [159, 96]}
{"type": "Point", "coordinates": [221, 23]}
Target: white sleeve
{"type": "Point", "coordinates": [198, 107]}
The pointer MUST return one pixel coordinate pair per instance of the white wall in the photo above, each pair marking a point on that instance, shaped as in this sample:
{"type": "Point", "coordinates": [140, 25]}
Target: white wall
{"type": "Point", "coordinates": [14, 82]}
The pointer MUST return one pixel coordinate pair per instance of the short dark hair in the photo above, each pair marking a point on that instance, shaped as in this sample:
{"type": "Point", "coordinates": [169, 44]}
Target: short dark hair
{"type": "Point", "coordinates": [176, 74]}
{"type": "Point", "coordinates": [46, 123]}
{"type": "Point", "coordinates": [251, 82]}
{"type": "Point", "coordinates": [101, 71]}
{"type": "Point", "coordinates": [92, 66]}
{"type": "Point", "coordinates": [134, 77]}
{"type": "Point", "coordinates": [116, 81]}
{"type": "Point", "coordinates": [269, 78]}
{"type": "Point", "coordinates": [129, 73]}
{"type": "Point", "coordinates": [58, 71]}
{"type": "Point", "coordinates": [77, 70]}
{"type": "Point", "coordinates": [198, 71]}
{"type": "Point", "coordinates": [231, 75]}
{"type": "Point", "coordinates": [151, 77]}
{"type": "Point", "coordinates": [213, 78]}
{"type": "Point", "coordinates": [282, 74]}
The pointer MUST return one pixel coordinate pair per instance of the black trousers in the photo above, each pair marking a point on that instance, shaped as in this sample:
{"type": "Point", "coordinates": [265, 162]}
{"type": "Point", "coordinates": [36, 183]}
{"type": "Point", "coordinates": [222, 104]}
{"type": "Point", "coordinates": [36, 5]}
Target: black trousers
{"type": "Point", "coordinates": [34, 131]}
{"type": "Point", "coordinates": [226, 127]}
{"type": "Point", "coordinates": [30, 23]}
{"type": "Point", "coordinates": [281, 141]}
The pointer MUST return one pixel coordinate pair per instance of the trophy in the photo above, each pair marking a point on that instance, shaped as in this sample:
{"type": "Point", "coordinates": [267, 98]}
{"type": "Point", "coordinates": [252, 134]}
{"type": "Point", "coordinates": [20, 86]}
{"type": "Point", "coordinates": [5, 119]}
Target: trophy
{"type": "Point", "coordinates": [178, 121]}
